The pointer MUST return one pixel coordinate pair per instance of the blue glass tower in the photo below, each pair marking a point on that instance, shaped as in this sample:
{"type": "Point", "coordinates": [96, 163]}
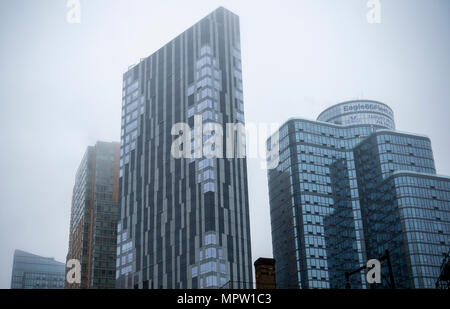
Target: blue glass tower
{"type": "Point", "coordinates": [319, 197]}
{"type": "Point", "coordinates": [405, 206]}
{"type": "Point", "coordinates": [32, 271]}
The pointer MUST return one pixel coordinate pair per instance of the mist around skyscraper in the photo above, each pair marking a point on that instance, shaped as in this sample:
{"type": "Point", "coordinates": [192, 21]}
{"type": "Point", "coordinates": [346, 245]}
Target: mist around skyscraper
{"type": "Point", "coordinates": [181, 181]}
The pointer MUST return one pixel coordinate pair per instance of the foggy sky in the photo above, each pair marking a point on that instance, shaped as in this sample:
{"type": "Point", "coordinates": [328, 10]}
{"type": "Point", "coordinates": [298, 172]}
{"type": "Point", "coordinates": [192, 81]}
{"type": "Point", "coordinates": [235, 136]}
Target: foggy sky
{"type": "Point", "coordinates": [61, 88]}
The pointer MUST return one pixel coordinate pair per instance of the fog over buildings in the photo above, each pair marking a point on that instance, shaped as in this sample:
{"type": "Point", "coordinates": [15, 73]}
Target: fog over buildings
{"type": "Point", "coordinates": [61, 88]}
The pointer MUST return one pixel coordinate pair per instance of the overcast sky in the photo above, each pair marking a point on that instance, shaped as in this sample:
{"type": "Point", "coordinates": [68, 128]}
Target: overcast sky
{"type": "Point", "coordinates": [61, 87]}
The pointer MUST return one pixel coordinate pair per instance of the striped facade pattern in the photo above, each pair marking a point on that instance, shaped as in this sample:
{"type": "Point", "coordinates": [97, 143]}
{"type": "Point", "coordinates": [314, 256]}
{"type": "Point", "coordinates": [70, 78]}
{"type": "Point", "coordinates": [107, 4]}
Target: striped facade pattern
{"type": "Point", "coordinates": [184, 223]}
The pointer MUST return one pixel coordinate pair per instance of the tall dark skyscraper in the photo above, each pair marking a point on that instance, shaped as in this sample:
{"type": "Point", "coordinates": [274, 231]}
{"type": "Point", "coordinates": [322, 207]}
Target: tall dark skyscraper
{"type": "Point", "coordinates": [93, 223]}
{"type": "Point", "coordinates": [347, 188]}
{"type": "Point", "coordinates": [32, 271]}
{"type": "Point", "coordinates": [184, 223]}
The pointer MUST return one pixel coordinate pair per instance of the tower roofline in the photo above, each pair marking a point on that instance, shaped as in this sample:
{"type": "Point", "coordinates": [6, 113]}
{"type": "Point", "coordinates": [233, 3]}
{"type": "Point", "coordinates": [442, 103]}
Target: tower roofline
{"type": "Point", "coordinates": [353, 101]}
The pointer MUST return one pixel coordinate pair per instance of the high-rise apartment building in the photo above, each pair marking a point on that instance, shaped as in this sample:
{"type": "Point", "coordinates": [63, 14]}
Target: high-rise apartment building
{"type": "Point", "coordinates": [184, 222]}
{"type": "Point", "coordinates": [93, 223]}
{"type": "Point", "coordinates": [326, 194]}
{"type": "Point", "coordinates": [32, 271]}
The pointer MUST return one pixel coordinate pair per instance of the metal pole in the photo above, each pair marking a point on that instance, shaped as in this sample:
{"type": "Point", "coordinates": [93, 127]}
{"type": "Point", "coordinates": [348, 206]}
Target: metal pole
{"type": "Point", "coordinates": [391, 274]}
{"type": "Point", "coordinates": [347, 280]}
